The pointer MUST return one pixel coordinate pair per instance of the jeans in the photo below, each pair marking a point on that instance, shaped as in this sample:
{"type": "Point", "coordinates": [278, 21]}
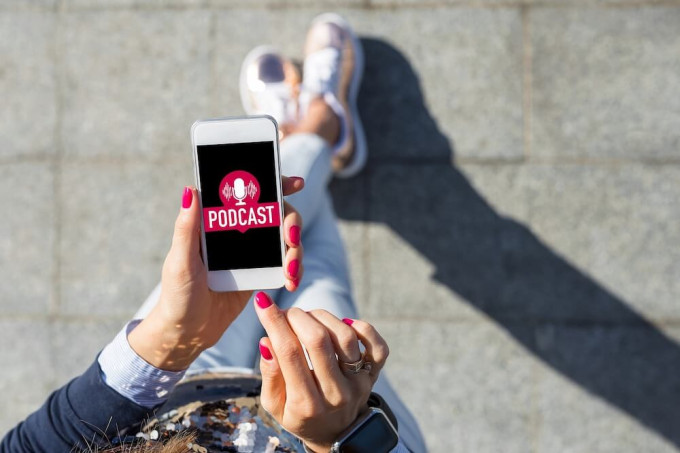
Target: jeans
{"type": "Point", "coordinates": [325, 283]}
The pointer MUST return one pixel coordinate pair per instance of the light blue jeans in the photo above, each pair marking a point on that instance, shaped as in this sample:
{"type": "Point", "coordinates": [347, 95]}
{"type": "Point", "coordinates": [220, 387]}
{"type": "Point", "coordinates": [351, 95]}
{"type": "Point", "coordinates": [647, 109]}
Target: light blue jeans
{"type": "Point", "coordinates": [325, 283]}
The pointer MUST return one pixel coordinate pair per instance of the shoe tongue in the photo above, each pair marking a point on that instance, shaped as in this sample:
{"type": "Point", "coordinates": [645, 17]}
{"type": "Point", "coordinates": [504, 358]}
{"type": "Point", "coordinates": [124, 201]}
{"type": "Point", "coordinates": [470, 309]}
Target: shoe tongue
{"type": "Point", "coordinates": [321, 71]}
{"type": "Point", "coordinates": [275, 101]}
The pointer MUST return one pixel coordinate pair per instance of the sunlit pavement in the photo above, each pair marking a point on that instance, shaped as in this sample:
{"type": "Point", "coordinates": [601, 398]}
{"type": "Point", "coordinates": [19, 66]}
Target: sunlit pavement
{"type": "Point", "coordinates": [514, 235]}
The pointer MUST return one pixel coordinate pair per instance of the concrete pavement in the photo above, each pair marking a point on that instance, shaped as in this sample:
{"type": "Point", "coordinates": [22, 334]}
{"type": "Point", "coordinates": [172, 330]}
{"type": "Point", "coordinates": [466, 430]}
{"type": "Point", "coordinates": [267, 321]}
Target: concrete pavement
{"type": "Point", "coordinates": [514, 235]}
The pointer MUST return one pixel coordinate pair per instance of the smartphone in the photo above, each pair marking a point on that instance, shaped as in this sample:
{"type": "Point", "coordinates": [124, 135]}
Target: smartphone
{"type": "Point", "coordinates": [238, 177]}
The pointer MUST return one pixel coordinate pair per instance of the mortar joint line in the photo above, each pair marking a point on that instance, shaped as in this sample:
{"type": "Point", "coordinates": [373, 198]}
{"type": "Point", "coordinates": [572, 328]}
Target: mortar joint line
{"type": "Point", "coordinates": [366, 5]}
{"type": "Point", "coordinates": [59, 86]}
{"type": "Point", "coordinates": [212, 57]}
{"type": "Point", "coordinates": [535, 414]}
{"type": "Point", "coordinates": [366, 243]}
{"type": "Point", "coordinates": [527, 80]}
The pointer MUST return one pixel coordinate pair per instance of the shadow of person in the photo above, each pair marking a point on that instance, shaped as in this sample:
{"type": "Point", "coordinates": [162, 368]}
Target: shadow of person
{"type": "Point", "coordinates": [496, 264]}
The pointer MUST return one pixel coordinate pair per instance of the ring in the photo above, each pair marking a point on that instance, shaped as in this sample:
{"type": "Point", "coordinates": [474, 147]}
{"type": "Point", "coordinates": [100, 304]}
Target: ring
{"type": "Point", "coordinates": [356, 367]}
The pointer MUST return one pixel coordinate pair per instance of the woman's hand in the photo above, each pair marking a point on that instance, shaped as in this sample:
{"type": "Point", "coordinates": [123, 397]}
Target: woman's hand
{"type": "Point", "coordinates": [189, 317]}
{"type": "Point", "coordinates": [315, 405]}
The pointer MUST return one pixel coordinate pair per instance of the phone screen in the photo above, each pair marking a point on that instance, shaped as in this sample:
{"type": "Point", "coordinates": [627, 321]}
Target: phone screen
{"type": "Point", "coordinates": [241, 213]}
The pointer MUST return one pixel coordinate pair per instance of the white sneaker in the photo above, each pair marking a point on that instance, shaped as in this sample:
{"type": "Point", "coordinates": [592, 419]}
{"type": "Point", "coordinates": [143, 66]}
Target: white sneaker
{"type": "Point", "coordinates": [332, 69]}
{"type": "Point", "coordinates": [270, 85]}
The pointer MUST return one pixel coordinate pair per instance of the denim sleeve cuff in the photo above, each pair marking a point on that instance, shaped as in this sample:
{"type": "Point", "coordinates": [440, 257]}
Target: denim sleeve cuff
{"type": "Point", "coordinates": [131, 376]}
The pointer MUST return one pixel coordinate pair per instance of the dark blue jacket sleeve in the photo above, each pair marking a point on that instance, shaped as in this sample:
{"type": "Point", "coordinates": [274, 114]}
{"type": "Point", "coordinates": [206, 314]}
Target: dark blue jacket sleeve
{"type": "Point", "coordinates": [84, 412]}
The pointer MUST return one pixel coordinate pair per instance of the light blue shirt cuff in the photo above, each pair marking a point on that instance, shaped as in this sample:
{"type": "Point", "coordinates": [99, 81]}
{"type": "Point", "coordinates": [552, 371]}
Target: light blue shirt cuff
{"type": "Point", "coordinates": [131, 376]}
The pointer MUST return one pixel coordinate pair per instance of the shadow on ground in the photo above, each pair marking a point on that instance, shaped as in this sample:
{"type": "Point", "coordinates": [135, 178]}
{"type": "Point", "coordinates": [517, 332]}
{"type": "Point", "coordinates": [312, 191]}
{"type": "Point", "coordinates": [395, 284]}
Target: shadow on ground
{"type": "Point", "coordinates": [496, 264]}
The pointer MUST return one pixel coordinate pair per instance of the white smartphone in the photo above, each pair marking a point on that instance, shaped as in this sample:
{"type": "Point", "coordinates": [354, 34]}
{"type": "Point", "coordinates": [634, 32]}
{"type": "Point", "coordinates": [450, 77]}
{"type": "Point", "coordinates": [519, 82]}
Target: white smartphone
{"type": "Point", "coordinates": [238, 177]}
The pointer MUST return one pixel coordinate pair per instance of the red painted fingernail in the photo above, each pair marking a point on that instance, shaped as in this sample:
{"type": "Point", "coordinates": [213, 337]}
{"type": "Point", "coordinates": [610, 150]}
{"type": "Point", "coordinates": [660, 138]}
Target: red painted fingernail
{"type": "Point", "coordinates": [265, 352]}
{"type": "Point", "coordinates": [348, 321]}
{"type": "Point", "coordinates": [297, 178]}
{"type": "Point", "coordinates": [262, 300]}
{"type": "Point", "coordinates": [296, 282]}
{"type": "Point", "coordinates": [293, 268]}
{"type": "Point", "coordinates": [187, 197]}
{"type": "Point", "coordinates": [294, 234]}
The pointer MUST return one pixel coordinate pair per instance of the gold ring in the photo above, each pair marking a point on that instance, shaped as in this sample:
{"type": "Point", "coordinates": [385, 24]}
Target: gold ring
{"type": "Point", "coordinates": [354, 367]}
{"type": "Point", "coordinates": [360, 365]}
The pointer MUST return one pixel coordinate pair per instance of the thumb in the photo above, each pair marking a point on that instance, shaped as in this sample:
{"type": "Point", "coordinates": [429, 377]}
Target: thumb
{"type": "Point", "coordinates": [273, 394]}
{"type": "Point", "coordinates": [185, 240]}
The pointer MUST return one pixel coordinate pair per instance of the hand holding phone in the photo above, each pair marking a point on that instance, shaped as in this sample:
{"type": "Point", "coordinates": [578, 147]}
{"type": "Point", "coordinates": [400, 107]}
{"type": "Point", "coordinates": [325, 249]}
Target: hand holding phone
{"type": "Point", "coordinates": [189, 317]}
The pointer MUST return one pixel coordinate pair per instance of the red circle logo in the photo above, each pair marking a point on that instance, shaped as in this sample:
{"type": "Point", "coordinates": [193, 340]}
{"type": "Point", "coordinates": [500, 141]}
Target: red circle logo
{"type": "Point", "coordinates": [239, 188]}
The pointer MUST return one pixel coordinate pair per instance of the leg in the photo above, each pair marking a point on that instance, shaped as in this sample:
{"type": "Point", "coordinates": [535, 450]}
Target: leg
{"type": "Point", "coordinates": [320, 120]}
{"type": "Point", "coordinates": [326, 282]}
{"type": "Point", "coordinates": [326, 285]}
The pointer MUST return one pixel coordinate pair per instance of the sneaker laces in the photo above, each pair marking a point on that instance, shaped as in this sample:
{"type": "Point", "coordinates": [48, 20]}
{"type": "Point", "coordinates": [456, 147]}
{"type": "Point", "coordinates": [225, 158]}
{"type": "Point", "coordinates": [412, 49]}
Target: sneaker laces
{"type": "Point", "coordinates": [322, 71]}
{"type": "Point", "coordinates": [275, 100]}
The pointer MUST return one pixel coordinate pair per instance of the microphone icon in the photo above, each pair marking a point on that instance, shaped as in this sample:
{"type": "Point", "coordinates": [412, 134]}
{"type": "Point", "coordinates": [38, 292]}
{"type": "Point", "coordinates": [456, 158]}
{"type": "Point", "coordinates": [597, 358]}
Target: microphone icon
{"type": "Point", "coordinates": [239, 191]}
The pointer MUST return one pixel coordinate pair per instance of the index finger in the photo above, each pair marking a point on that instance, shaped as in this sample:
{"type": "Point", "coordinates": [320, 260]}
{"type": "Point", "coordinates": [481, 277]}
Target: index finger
{"type": "Point", "coordinates": [287, 349]}
{"type": "Point", "coordinates": [291, 184]}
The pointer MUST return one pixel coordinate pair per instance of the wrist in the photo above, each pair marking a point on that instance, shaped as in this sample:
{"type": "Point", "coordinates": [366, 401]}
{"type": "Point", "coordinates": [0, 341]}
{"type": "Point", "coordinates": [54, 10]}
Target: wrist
{"type": "Point", "coordinates": [162, 346]}
{"type": "Point", "coordinates": [372, 432]}
{"type": "Point", "coordinates": [325, 445]}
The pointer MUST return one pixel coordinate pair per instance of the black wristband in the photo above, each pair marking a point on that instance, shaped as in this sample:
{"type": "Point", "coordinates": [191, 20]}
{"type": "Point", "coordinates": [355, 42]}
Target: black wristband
{"type": "Point", "coordinates": [377, 401]}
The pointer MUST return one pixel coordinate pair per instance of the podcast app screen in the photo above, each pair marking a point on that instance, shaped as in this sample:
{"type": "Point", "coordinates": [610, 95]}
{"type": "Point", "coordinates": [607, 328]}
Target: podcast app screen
{"type": "Point", "coordinates": [241, 214]}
